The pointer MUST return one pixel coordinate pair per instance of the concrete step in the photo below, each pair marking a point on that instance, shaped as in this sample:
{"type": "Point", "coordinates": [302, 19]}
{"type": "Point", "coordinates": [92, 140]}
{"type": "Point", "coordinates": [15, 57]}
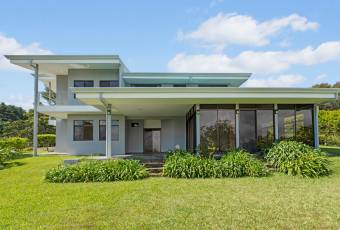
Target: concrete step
{"type": "Point", "coordinates": [153, 164]}
{"type": "Point", "coordinates": [155, 170]}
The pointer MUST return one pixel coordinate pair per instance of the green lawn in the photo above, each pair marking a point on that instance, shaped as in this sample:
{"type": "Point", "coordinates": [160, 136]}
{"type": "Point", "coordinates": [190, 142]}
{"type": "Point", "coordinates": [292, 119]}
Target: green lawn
{"type": "Point", "coordinates": [278, 201]}
{"type": "Point", "coordinates": [332, 150]}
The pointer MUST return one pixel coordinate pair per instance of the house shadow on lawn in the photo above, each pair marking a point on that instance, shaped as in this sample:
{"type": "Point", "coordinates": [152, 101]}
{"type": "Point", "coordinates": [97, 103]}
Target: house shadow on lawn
{"type": "Point", "coordinates": [11, 164]}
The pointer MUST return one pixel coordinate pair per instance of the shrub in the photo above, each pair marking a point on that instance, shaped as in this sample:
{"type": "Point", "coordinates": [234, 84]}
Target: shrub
{"type": "Point", "coordinates": [46, 140]}
{"type": "Point", "coordinates": [7, 154]}
{"type": "Point", "coordinates": [240, 163]}
{"type": "Point", "coordinates": [295, 158]}
{"type": "Point", "coordinates": [97, 171]}
{"type": "Point", "coordinates": [16, 143]}
{"type": "Point", "coordinates": [236, 164]}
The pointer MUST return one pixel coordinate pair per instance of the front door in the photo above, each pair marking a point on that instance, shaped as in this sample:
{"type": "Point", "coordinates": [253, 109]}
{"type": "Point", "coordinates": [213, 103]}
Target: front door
{"type": "Point", "coordinates": [152, 140]}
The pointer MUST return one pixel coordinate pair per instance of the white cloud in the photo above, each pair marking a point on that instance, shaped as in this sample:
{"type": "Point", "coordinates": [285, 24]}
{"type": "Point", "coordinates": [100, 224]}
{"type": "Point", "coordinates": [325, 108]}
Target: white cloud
{"type": "Point", "coordinates": [10, 45]}
{"type": "Point", "coordinates": [289, 80]}
{"type": "Point", "coordinates": [225, 29]}
{"type": "Point", "coordinates": [26, 102]}
{"type": "Point", "coordinates": [258, 62]}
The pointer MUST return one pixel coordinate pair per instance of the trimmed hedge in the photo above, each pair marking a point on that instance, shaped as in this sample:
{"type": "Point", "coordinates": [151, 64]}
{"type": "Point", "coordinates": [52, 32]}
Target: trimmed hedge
{"type": "Point", "coordinates": [235, 164]}
{"type": "Point", "coordinates": [97, 171]}
{"type": "Point", "coordinates": [16, 143]}
{"type": "Point", "coordinates": [7, 154]}
{"type": "Point", "coordinates": [329, 126]}
{"type": "Point", "coordinates": [295, 158]}
{"type": "Point", "coordinates": [46, 140]}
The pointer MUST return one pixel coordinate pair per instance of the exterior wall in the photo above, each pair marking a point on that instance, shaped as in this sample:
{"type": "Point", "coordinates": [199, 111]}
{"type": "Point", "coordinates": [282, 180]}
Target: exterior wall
{"type": "Point", "coordinates": [62, 90]}
{"type": "Point", "coordinates": [65, 143]}
{"type": "Point", "coordinates": [172, 134]}
{"type": "Point", "coordinates": [88, 74]}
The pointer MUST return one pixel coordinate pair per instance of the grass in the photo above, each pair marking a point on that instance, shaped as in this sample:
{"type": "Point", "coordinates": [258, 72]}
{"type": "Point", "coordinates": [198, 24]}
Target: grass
{"type": "Point", "coordinates": [278, 201]}
{"type": "Point", "coordinates": [332, 150]}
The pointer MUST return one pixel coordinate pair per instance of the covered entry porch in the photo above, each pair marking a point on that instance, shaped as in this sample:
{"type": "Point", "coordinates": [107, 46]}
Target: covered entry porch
{"type": "Point", "coordinates": [203, 108]}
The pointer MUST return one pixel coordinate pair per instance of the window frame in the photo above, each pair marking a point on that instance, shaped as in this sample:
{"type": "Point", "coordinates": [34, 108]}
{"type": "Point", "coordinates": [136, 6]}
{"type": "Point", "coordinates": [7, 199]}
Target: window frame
{"type": "Point", "coordinates": [114, 123]}
{"type": "Point", "coordinates": [82, 126]}
{"type": "Point", "coordinates": [112, 83]}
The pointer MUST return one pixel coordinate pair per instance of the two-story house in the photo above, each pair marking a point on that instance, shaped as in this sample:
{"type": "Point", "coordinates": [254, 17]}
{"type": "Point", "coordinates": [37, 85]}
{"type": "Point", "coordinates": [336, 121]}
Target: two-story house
{"type": "Point", "coordinates": [102, 107]}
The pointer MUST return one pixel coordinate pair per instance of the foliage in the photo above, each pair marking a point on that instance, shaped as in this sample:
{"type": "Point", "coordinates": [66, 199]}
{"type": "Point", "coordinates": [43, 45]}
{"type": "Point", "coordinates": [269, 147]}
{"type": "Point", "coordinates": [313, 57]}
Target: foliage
{"type": "Point", "coordinates": [329, 105]}
{"type": "Point", "coordinates": [16, 143]}
{"type": "Point", "coordinates": [295, 158]}
{"type": "Point", "coordinates": [45, 95]}
{"type": "Point", "coordinates": [234, 164]}
{"type": "Point", "coordinates": [329, 126]}
{"type": "Point", "coordinates": [97, 171]}
{"type": "Point", "coordinates": [11, 112]}
{"type": "Point", "coordinates": [7, 154]}
{"type": "Point", "coordinates": [24, 127]}
{"type": "Point", "coordinates": [46, 140]}
{"type": "Point", "coordinates": [241, 163]}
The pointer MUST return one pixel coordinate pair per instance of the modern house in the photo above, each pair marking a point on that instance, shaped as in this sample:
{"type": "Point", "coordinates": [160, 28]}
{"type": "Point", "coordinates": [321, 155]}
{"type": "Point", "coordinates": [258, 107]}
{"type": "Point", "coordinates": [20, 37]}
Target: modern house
{"type": "Point", "coordinates": [102, 107]}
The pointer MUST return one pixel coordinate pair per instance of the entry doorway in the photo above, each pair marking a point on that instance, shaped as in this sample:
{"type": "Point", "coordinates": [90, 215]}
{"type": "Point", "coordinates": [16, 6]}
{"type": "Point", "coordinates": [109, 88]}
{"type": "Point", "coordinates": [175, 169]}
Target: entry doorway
{"type": "Point", "coordinates": [152, 140]}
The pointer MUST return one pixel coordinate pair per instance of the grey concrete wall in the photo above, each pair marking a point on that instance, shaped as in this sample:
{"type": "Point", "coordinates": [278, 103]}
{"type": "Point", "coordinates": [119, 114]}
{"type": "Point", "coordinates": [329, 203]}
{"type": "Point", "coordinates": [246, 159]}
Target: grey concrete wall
{"type": "Point", "coordinates": [134, 136]}
{"type": "Point", "coordinates": [173, 133]}
{"type": "Point", "coordinates": [89, 74]}
{"type": "Point", "coordinates": [62, 90]}
{"type": "Point", "coordinates": [66, 144]}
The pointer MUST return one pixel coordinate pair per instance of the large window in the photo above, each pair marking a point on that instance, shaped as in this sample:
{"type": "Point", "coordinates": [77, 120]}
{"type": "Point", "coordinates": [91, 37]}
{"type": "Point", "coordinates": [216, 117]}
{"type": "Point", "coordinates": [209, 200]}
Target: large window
{"type": "Point", "coordinates": [114, 130]}
{"type": "Point", "coordinates": [296, 123]}
{"type": "Point", "coordinates": [83, 130]}
{"type": "Point", "coordinates": [83, 83]}
{"type": "Point", "coordinates": [217, 128]}
{"type": "Point", "coordinates": [109, 83]}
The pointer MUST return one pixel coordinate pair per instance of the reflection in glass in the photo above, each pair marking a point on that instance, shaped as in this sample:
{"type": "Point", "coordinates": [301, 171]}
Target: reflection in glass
{"type": "Point", "coordinates": [248, 130]}
{"type": "Point", "coordinates": [304, 126]}
{"type": "Point", "coordinates": [208, 129]}
{"type": "Point", "coordinates": [286, 124]}
{"type": "Point", "coordinates": [264, 128]}
{"type": "Point", "coordinates": [226, 128]}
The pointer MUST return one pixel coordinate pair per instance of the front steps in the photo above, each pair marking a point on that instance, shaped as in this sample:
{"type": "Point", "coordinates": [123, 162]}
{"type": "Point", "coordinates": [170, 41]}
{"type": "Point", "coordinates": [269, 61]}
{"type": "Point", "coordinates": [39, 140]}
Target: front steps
{"type": "Point", "coordinates": [153, 162]}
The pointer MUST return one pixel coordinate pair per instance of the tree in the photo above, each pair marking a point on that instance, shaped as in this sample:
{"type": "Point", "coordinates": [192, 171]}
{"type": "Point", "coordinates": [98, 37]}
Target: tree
{"type": "Point", "coordinates": [329, 105]}
{"type": "Point", "coordinates": [46, 95]}
{"type": "Point", "coordinates": [11, 112]}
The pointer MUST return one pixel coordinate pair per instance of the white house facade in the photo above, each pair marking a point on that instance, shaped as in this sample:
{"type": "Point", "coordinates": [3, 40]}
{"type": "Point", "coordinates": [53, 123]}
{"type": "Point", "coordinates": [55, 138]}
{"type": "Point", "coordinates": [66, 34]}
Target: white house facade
{"type": "Point", "coordinates": [102, 107]}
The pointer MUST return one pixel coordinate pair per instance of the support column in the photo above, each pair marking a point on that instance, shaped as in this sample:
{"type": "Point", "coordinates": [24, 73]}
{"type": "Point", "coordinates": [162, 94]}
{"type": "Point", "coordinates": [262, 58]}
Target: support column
{"type": "Point", "coordinates": [35, 115]}
{"type": "Point", "coordinates": [237, 126]}
{"type": "Point", "coordinates": [276, 123]}
{"type": "Point", "coordinates": [316, 125]}
{"type": "Point", "coordinates": [108, 131]}
{"type": "Point", "coordinates": [198, 129]}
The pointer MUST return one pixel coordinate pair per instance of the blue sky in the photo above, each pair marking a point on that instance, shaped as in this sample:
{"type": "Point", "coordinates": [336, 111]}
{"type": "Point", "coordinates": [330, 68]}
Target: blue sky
{"type": "Point", "coordinates": [283, 43]}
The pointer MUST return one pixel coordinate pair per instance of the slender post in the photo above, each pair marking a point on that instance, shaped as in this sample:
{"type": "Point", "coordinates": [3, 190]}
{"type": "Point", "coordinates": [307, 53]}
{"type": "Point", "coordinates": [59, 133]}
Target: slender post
{"type": "Point", "coordinates": [276, 123]}
{"type": "Point", "coordinates": [49, 93]}
{"type": "Point", "coordinates": [316, 125]}
{"type": "Point", "coordinates": [198, 129]}
{"type": "Point", "coordinates": [108, 131]}
{"type": "Point", "coordinates": [35, 116]}
{"type": "Point", "coordinates": [237, 126]}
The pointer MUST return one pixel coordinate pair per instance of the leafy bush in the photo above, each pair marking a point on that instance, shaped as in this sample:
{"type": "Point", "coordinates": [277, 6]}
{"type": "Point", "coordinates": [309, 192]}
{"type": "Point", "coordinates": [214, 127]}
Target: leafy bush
{"type": "Point", "coordinates": [236, 164]}
{"type": "Point", "coordinates": [46, 140]}
{"type": "Point", "coordinates": [329, 126]}
{"type": "Point", "coordinates": [295, 158]}
{"type": "Point", "coordinates": [16, 143]}
{"type": "Point", "coordinates": [241, 163]}
{"type": "Point", "coordinates": [97, 171]}
{"type": "Point", "coordinates": [7, 154]}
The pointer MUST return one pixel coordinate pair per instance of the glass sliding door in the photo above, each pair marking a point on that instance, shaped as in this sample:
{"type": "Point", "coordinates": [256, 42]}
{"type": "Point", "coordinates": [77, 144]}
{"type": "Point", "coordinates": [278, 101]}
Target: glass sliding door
{"type": "Point", "coordinates": [248, 130]}
{"type": "Point", "coordinates": [264, 128]}
{"type": "Point", "coordinates": [226, 129]}
{"type": "Point", "coordinates": [304, 124]}
{"type": "Point", "coordinates": [208, 128]}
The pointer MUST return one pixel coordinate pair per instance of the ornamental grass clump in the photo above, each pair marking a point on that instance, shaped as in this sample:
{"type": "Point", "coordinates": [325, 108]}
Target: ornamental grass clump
{"type": "Point", "coordinates": [234, 164]}
{"type": "Point", "coordinates": [98, 171]}
{"type": "Point", "coordinates": [295, 158]}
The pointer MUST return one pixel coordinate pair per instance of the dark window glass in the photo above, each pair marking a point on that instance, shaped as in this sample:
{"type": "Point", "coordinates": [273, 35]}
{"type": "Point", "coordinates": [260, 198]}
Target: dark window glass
{"type": "Point", "coordinates": [286, 123]}
{"type": "Point", "coordinates": [213, 85]}
{"type": "Point", "coordinates": [248, 130]}
{"type": "Point", "coordinates": [226, 129]}
{"type": "Point", "coordinates": [264, 128]}
{"type": "Point", "coordinates": [83, 83]}
{"type": "Point", "coordinates": [180, 85]}
{"type": "Point", "coordinates": [109, 83]}
{"type": "Point", "coordinates": [217, 128]}
{"type": "Point", "coordinates": [208, 128]}
{"type": "Point", "coordinates": [114, 130]}
{"type": "Point", "coordinates": [83, 130]}
{"type": "Point", "coordinates": [304, 126]}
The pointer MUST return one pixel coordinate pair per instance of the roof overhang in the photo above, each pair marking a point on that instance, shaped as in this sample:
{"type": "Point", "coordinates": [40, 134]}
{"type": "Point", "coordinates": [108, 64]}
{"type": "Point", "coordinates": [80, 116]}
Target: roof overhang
{"type": "Point", "coordinates": [62, 111]}
{"type": "Point", "coordinates": [52, 65]}
{"type": "Point", "coordinates": [230, 79]}
{"type": "Point", "coordinates": [130, 100]}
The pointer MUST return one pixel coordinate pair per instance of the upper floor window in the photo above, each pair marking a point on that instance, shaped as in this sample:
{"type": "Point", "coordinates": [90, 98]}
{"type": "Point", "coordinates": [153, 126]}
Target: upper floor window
{"type": "Point", "coordinates": [146, 85]}
{"type": "Point", "coordinates": [83, 130]}
{"type": "Point", "coordinates": [83, 83]}
{"type": "Point", "coordinates": [180, 85]}
{"type": "Point", "coordinates": [109, 83]}
{"type": "Point", "coordinates": [212, 85]}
